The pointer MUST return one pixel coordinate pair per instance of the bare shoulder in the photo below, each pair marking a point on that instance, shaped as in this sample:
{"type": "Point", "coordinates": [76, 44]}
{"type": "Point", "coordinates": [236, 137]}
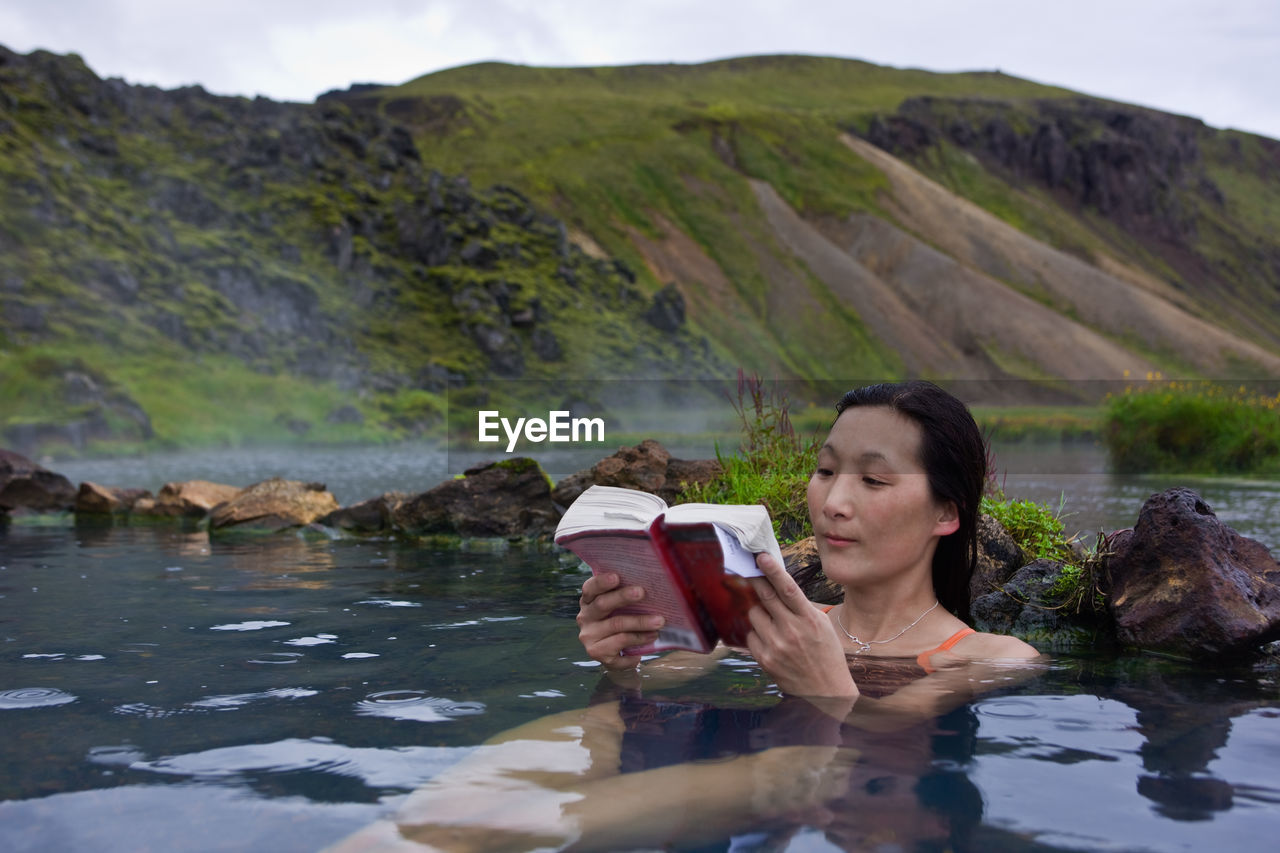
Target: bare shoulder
{"type": "Point", "coordinates": [995, 647]}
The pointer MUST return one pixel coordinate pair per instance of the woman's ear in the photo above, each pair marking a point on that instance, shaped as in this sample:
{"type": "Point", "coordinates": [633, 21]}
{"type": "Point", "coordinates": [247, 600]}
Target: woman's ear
{"type": "Point", "coordinates": [948, 519]}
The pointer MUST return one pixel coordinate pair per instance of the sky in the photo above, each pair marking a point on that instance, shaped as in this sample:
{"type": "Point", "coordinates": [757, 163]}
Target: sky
{"type": "Point", "coordinates": [1218, 60]}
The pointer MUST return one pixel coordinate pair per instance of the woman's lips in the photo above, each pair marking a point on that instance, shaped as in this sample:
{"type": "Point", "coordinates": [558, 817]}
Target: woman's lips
{"type": "Point", "coordinates": [837, 541]}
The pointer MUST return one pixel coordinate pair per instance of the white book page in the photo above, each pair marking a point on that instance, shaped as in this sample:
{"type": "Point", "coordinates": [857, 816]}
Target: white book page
{"type": "Point", "coordinates": [608, 507]}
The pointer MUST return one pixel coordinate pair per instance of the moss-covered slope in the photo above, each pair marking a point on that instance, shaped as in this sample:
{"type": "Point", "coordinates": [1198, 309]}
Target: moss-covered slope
{"type": "Point", "coordinates": [162, 253]}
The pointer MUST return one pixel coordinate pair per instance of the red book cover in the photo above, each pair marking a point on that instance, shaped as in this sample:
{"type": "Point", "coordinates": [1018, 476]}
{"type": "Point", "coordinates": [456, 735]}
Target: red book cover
{"type": "Point", "coordinates": [681, 567]}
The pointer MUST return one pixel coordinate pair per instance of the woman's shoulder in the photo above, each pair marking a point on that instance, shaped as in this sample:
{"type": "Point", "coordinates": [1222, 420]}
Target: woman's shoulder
{"type": "Point", "coordinates": [983, 646]}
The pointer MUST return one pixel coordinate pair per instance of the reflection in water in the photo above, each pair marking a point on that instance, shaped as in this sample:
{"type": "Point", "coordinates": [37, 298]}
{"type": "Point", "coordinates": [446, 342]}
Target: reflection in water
{"type": "Point", "coordinates": [1181, 738]}
{"type": "Point", "coordinates": [1151, 747]}
{"type": "Point", "coordinates": [643, 771]}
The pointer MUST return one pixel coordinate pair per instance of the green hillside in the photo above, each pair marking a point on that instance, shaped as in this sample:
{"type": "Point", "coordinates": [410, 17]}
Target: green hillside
{"type": "Point", "coordinates": [183, 268]}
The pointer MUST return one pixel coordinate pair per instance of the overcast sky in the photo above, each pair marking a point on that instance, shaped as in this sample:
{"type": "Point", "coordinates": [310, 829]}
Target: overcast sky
{"type": "Point", "coordinates": [1218, 60]}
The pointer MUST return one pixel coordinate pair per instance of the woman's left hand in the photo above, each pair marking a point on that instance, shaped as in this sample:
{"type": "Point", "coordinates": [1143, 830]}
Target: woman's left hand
{"type": "Point", "coordinates": [793, 640]}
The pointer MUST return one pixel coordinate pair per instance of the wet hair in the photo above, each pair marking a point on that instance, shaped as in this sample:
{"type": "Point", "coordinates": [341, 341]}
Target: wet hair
{"type": "Point", "coordinates": [954, 457]}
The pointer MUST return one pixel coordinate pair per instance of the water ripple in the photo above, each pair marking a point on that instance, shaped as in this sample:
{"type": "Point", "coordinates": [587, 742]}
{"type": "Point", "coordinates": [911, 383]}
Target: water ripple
{"type": "Point", "coordinates": [227, 703]}
{"type": "Point", "coordinates": [1008, 708]}
{"type": "Point", "coordinates": [149, 712]}
{"type": "Point", "coordinates": [415, 705]}
{"type": "Point", "coordinates": [277, 658]}
{"type": "Point", "coordinates": [33, 697]}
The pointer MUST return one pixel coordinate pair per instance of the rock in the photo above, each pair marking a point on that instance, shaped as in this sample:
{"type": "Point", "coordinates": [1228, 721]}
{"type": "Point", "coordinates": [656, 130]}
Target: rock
{"type": "Point", "coordinates": [682, 473]}
{"type": "Point", "coordinates": [345, 414]}
{"type": "Point", "coordinates": [1024, 604]}
{"type": "Point", "coordinates": [1182, 582]}
{"type": "Point", "coordinates": [643, 467]}
{"type": "Point", "coordinates": [647, 467]}
{"type": "Point", "coordinates": [666, 314]}
{"type": "Point", "coordinates": [511, 498]}
{"type": "Point", "coordinates": [190, 499]}
{"type": "Point", "coordinates": [376, 515]}
{"type": "Point", "coordinates": [26, 485]}
{"type": "Point", "coordinates": [998, 558]}
{"type": "Point", "coordinates": [274, 504]}
{"type": "Point", "coordinates": [802, 563]}
{"type": "Point", "coordinates": [93, 499]}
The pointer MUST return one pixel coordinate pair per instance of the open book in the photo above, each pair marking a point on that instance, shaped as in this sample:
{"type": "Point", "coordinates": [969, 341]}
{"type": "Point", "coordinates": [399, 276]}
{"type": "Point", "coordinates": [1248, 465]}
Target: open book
{"type": "Point", "coordinates": [692, 560]}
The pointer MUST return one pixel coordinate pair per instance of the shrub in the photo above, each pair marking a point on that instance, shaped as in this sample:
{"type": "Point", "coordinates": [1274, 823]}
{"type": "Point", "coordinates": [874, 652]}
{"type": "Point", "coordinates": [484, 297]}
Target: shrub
{"type": "Point", "coordinates": [1193, 428]}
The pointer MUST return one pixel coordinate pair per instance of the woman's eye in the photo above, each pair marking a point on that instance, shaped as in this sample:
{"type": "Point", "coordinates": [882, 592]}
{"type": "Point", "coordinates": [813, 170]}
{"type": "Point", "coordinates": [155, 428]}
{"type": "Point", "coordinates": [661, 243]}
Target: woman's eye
{"type": "Point", "coordinates": [872, 481]}
{"type": "Point", "coordinates": [822, 472]}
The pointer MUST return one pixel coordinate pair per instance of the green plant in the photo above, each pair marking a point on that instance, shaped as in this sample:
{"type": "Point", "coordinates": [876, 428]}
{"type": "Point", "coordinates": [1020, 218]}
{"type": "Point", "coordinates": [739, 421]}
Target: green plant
{"type": "Point", "coordinates": [1185, 427]}
{"type": "Point", "coordinates": [772, 466]}
{"type": "Point", "coordinates": [1038, 531]}
{"type": "Point", "coordinates": [1035, 527]}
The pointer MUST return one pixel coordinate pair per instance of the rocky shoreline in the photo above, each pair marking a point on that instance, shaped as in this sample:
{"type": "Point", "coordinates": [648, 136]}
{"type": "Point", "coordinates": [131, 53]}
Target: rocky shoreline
{"type": "Point", "coordinates": [1179, 582]}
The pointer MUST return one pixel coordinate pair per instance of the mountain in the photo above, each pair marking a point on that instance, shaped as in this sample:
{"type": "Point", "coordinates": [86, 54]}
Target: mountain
{"type": "Point", "coordinates": [353, 260]}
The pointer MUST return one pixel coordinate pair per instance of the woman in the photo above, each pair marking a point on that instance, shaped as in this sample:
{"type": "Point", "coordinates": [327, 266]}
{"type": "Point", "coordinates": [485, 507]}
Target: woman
{"type": "Point", "coordinates": [894, 505]}
{"type": "Point", "coordinates": [894, 502]}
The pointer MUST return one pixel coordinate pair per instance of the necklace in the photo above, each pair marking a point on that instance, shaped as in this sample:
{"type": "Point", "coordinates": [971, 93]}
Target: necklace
{"type": "Point", "coordinates": [865, 645]}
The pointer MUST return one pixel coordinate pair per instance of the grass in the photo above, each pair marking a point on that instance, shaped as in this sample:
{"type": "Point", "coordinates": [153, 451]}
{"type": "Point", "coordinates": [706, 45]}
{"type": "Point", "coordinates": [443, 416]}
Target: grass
{"type": "Point", "coordinates": [1039, 423]}
{"type": "Point", "coordinates": [219, 403]}
{"type": "Point", "coordinates": [772, 466]}
{"type": "Point", "coordinates": [1036, 527]}
{"type": "Point", "coordinates": [1205, 428]}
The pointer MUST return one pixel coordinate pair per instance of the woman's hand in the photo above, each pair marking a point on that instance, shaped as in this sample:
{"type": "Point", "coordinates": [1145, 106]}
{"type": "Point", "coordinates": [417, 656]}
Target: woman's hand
{"type": "Point", "coordinates": [793, 640]}
{"type": "Point", "coordinates": [603, 632]}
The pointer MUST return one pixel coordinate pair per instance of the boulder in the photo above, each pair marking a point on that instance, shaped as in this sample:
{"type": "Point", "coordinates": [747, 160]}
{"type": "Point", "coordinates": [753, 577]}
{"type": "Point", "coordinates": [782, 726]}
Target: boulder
{"type": "Point", "coordinates": [376, 515]}
{"type": "Point", "coordinates": [272, 505]}
{"type": "Point", "coordinates": [511, 499]}
{"type": "Point", "coordinates": [1184, 583]}
{"type": "Point", "coordinates": [647, 467]}
{"type": "Point", "coordinates": [95, 499]}
{"type": "Point", "coordinates": [998, 558]}
{"type": "Point", "coordinates": [1024, 604]}
{"type": "Point", "coordinates": [26, 485]}
{"type": "Point", "coordinates": [189, 499]}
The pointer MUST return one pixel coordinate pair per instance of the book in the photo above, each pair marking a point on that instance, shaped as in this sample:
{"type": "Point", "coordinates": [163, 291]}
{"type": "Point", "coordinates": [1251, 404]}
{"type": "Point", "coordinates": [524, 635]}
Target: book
{"type": "Point", "coordinates": [693, 560]}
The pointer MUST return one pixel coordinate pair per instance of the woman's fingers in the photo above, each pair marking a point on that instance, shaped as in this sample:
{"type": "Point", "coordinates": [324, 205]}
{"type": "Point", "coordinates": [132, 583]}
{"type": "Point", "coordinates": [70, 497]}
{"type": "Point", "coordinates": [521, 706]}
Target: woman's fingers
{"type": "Point", "coordinates": [600, 600]}
{"type": "Point", "coordinates": [777, 589]}
{"type": "Point", "coordinates": [597, 585]}
{"type": "Point", "coordinates": [603, 631]}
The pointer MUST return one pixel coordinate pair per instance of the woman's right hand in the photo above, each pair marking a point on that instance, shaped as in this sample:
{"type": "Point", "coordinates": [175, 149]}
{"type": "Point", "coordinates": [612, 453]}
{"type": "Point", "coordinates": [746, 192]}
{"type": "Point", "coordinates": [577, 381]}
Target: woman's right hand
{"type": "Point", "coordinates": [603, 632]}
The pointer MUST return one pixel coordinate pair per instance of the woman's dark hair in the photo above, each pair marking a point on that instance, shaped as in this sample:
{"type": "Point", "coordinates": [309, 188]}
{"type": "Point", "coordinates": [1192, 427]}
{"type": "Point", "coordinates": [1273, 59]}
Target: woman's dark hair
{"type": "Point", "coordinates": [954, 457]}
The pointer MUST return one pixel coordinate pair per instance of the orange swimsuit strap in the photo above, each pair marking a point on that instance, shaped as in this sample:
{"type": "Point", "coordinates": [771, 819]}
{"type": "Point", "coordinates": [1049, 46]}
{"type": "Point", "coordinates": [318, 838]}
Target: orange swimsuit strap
{"type": "Point", "coordinates": [923, 657]}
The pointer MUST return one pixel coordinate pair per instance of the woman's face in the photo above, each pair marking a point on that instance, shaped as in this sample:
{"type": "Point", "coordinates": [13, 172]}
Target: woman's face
{"type": "Point", "coordinates": [874, 515]}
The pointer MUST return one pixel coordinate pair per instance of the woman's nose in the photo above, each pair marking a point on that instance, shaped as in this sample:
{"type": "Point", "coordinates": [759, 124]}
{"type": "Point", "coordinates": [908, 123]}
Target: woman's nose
{"type": "Point", "coordinates": [839, 498]}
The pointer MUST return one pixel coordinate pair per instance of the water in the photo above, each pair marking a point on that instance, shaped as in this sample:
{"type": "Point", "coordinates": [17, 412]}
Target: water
{"type": "Point", "coordinates": [159, 690]}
